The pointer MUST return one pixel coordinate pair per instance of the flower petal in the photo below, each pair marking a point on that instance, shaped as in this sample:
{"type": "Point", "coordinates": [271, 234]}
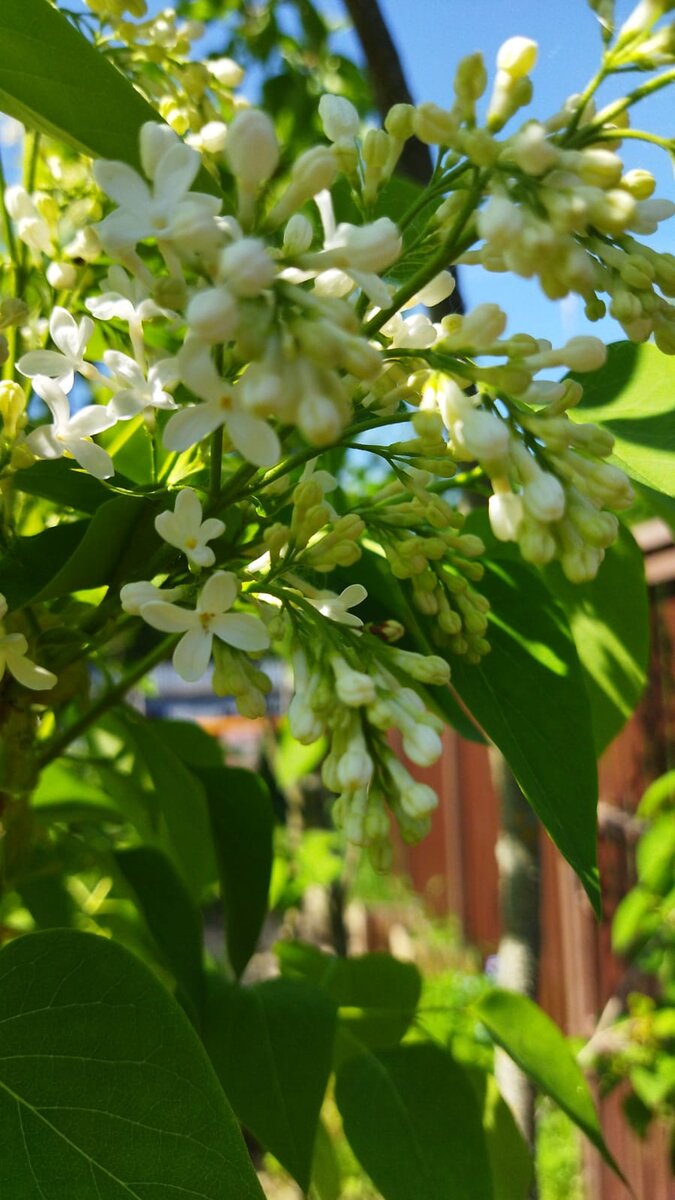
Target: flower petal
{"type": "Point", "coordinates": [188, 511]}
{"type": "Point", "coordinates": [93, 418]}
{"type": "Point", "coordinates": [255, 440]}
{"type": "Point", "coordinates": [42, 443]}
{"type": "Point", "coordinates": [174, 173]}
{"type": "Point", "coordinates": [55, 398]}
{"type": "Point", "coordinates": [201, 556]}
{"type": "Point", "coordinates": [198, 370]}
{"type": "Point", "coordinates": [123, 185]}
{"type": "Point", "coordinates": [125, 367]}
{"type": "Point", "coordinates": [48, 363]}
{"type": "Point", "coordinates": [192, 654]}
{"type": "Point", "coordinates": [28, 673]}
{"type": "Point", "coordinates": [354, 593]}
{"type": "Point", "coordinates": [126, 404]}
{"type": "Point", "coordinates": [219, 593]}
{"type": "Point", "coordinates": [211, 528]}
{"type": "Point", "coordinates": [192, 424]}
{"type": "Point", "coordinates": [169, 618]}
{"type": "Point", "coordinates": [169, 529]}
{"type": "Point", "coordinates": [242, 631]}
{"type": "Point", "coordinates": [92, 458]}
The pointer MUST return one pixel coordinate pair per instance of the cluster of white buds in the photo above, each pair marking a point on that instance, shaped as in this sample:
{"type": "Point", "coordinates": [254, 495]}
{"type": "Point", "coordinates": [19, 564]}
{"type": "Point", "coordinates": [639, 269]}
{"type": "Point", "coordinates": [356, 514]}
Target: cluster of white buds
{"type": "Point", "coordinates": [355, 698]}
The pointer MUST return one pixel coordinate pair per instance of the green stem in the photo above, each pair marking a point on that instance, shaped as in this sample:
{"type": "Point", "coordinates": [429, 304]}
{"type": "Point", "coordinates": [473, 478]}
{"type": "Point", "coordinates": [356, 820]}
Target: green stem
{"type": "Point", "coordinates": [590, 131]}
{"type": "Point", "coordinates": [216, 463]}
{"type": "Point", "coordinates": [109, 699]}
{"type": "Point", "coordinates": [451, 245]}
{"type": "Point", "coordinates": [589, 91]}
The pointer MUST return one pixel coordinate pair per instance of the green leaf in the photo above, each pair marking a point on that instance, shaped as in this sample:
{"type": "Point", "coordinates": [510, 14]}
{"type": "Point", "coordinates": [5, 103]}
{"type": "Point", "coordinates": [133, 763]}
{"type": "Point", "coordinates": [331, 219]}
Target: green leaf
{"type": "Point", "coordinates": [528, 695]}
{"type": "Point", "coordinates": [172, 917]}
{"type": "Point", "coordinates": [184, 831]}
{"type": "Point", "coordinates": [29, 566]}
{"type": "Point", "coordinates": [632, 397]}
{"type": "Point", "coordinates": [609, 620]}
{"type": "Point", "coordinates": [63, 795]}
{"type": "Point", "coordinates": [193, 745]}
{"type": "Point", "coordinates": [61, 480]}
{"type": "Point", "coordinates": [377, 995]}
{"type": "Point", "coordinates": [242, 821]}
{"type": "Point", "coordinates": [326, 1174]}
{"type": "Point", "coordinates": [272, 1047]}
{"type": "Point", "coordinates": [659, 795]}
{"type": "Point", "coordinates": [538, 1047]}
{"type": "Point", "coordinates": [53, 80]}
{"type": "Point", "coordinates": [105, 1089]}
{"type": "Point", "coordinates": [510, 1160]}
{"type": "Point", "coordinates": [413, 1120]}
{"type": "Point", "coordinates": [119, 536]}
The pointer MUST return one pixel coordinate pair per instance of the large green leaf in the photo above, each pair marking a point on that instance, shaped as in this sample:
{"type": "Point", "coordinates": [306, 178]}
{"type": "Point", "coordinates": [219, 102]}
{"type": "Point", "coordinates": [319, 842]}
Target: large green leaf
{"type": "Point", "coordinates": [61, 480]}
{"type": "Point", "coordinates": [53, 80]}
{"type": "Point", "coordinates": [119, 537]}
{"type": "Point", "coordinates": [377, 995]}
{"type": "Point", "coordinates": [171, 916]}
{"type": "Point", "coordinates": [414, 1122]}
{"type": "Point", "coordinates": [242, 820]}
{"type": "Point", "coordinates": [63, 795]}
{"type": "Point", "coordinates": [105, 1089]}
{"type": "Point", "coordinates": [528, 695]}
{"type": "Point", "coordinates": [272, 1047]}
{"type": "Point", "coordinates": [183, 823]}
{"type": "Point", "coordinates": [536, 1044]}
{"type": "Point", "coordinates": [510, 1160]}
{"type": "Point", "coordinates": [33, 562]}
{"type": "Point", "coordinates": [609, 619]}
{"type": "Point", "coordinates": [632, 397]}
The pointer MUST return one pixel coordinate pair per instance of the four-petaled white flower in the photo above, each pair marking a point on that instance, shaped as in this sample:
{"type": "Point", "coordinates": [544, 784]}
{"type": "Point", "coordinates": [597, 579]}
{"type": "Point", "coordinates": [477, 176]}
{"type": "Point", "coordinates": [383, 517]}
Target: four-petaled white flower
{"type": "Point", "coordinates": [255, 440]}
{"type": "Point", "coordinates": [138, 393]}
{"type": "Point", "coordinates": [125, 298]}
{"type": "Point", "coordinates": [168, 211]}
{"type": "Point", "coordinates": [71, 433]}
{"type": "Point", "coordinates": [71, 337]}
{"type": "Point", "coordinates": [199, 626]}
{"type": "Point", "coordinates": [185, 529]}
{"type": "Point", "coordinates": [13, 658]}
{"type": "Point", "coordinates": [336, 607]}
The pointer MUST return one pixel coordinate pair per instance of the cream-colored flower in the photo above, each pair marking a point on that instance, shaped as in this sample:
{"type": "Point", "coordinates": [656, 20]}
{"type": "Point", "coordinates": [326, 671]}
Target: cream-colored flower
{"type": "Point", "coordinates": [211, 618]}
{"type": "Point", "coordinates": [13, 658]}
{"type": "Point", "coordinates": [185, 529]}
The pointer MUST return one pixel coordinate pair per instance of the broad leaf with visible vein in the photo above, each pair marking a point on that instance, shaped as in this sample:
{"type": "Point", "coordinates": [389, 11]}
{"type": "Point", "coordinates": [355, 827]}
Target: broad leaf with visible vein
{"type": "Point", "coordinates": [538, 1047]}
{"type": "Point", "coordinates": [528, 695]}
{"type": "Point", "coordinates": [632, 397]}
{"type": "Point", "coordinates": [272, 1047]}
{"type": "Point", "coordinates": [106, 1092]}
{"type": "Point", "coordinates": [414, 1122]}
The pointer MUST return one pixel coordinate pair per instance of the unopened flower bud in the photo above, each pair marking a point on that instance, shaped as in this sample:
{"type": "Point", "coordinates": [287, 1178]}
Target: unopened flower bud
{"type": "Point", "coordinates": [251, 148]}
{"type": "Point", "coordinates": [61, 276]}
{"type": "Point", "coordinates": [298, 234]}
{"type": "Point", "coordinates": [505, 511]}
{"type": "Point", "coordinates": [517, 56]}
{"type": "Point", "coordinates": [247, 267]}
{"type": "Point", "coordinates": [339, 118]}
{"type": "Point", "coordinates": [213, 314]}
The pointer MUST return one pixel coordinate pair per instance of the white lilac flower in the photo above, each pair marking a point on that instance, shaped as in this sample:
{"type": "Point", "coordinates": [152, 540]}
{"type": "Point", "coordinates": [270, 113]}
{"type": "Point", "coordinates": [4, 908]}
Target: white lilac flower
{"type": "Point", "coordinates": [13, 658]}
{"type": "Point", "coordinates": [336, 608]}
{"type": "Point", "coordinates": [211, 618]}
{"type": "Point", "coordinates": [339, 118]}
{"type": "Point", "coordinates": [168, 210]}
{"type": "Point", "coordinates": [255, 440]}
{"type": "Point", "coordinates": [185, 529]}
{"type": "Point", "coordinates": [32, 229]}
{"type": "Point", "coordinates": [125, 298]}
{"type": "Point", "coordinates": [71, 337]}
{"type": "Point", "coordinates": [71, 433]}
{"type": "Point", "coordinates": [133, 596]}
{"type": "Point", "coordinates": [137, 394]}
